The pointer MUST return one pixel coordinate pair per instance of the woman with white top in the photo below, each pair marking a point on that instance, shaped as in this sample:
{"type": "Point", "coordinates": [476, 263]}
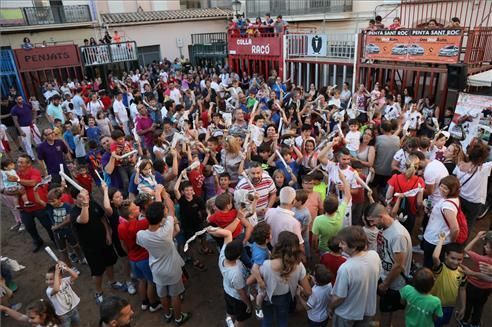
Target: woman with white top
{"type": "Point", "coordinates": [366, 153]}
{"type": "Point", "coordinates": [95, 105]}
{"type": "Point", "coordinates": [282, 274]}
{"type": "Point", "coordinates": [473, 175]}
{"type": "Point", "coordinates": [443, 218]}
{"type": "Point", "coordinates": [231, 157]}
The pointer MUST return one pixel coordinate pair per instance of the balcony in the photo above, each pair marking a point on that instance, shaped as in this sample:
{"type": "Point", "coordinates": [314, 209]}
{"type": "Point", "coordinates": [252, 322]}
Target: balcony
{"type": "Point", "coordinates": [108, 53]}
{"type": "Point", "coordinates": [258, 8]}
{"type": "Point", "coordinates": [340, 46]}
{"type": "Point", "coordinates": [35, 16]}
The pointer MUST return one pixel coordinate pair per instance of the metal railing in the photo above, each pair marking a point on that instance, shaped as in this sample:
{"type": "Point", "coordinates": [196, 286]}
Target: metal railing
{"type": "Point", "coordinates": [208, 38]}
{"type": "Point", "coordinates": [208, 50]}
{"type": "Point", "coordinates": [108, 53]}
{"type": "Point", "coordinates": [479, 46]}
{"type": "Point", "coordinates": [339, 45]}
{"type": "Point", "coordinates": [47, 15]}
{"type": "Point", "coordinates": [258, 8]}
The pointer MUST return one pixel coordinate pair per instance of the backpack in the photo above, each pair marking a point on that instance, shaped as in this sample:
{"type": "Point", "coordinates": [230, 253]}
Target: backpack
{"type": "Point", "coordinates": [462, 223]}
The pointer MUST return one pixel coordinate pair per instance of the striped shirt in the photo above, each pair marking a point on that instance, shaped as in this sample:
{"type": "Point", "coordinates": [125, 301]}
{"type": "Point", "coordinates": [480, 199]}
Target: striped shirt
{"type": "Point", "coordinates": [264, 188]}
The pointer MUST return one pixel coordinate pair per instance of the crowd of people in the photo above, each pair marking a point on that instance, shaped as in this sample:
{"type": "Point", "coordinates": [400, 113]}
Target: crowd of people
{"type": "Point", "coordinates": [317, 197]}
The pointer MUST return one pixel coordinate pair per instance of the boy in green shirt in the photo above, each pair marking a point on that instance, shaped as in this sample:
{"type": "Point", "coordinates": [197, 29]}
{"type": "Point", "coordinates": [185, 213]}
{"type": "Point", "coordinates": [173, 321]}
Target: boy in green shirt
{"type": "Point", "coordinates": [328, 225]}
{"type": "Point", "coordinates": [422, 308]}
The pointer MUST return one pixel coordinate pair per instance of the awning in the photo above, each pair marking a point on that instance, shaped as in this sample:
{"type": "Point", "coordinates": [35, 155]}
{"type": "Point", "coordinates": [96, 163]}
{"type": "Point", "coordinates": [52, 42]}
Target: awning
{"type": "Point", "coordinates": [481, 79]}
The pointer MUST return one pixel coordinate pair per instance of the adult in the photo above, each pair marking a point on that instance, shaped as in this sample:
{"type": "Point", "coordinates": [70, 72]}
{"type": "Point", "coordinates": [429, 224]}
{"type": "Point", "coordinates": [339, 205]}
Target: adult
{"type": "Point", "coordinates": [95, 105]}
{"type": "Point", "coordinates": [452, 156]}
{"type": "Point", "coordinates": [9, 199]}
{"type": "Point", "coordinates": [429, 110]}
{"type": "Point", "coordinates": [366, 153]}
{"type": "Point", "coordinates": [115, 312]}
{"type": "Point", "coordinates": [55, 111]}
{"type": "Point", "coordinates": [94, 234]}
{"type": "Point", "coordinates": [6, 118]}
{"type": "Point", "coordinates": [404, 182]}
{"type": "Point", "coordinates": [474, 176]}
{"type": "Point", "coordinates": [434, 171]}
{"type": "Point", "coordinates": [263, 185]}
{"type": "Point", "coordinates": [145, 127]}
{"type": "Point", "coordinates": [24, 117]}
{"type": "Point", "coordinates": [345, 95]}
{"type": "Point", "coordinates": [282, 274]}
{"type": "Point", "coordinates": [354, 295]}
{"type": "Point", "coordinates": [50, 92]}
{"type": "Point", "coordinates": [108, 162]}
{"type": "Point", "coordinates": [282, 218]}
{"type": "Point", "coordinates": [231, 158]}
{"type": "Point", "coordinates": [120, 113]}
{"type": "Point", "coordinates": [26, 44]}
{"type": "Point", "coordinates": [29, 177]}
{"type": "Point", "coordinates": [239, 121]}
{"type": "Point", "coordinates": [78, 103]}
{"type": "Point", "coordinates": [51, 154]}
{"type": "Point", "coordinates": [279, 25]}
{"type": "Point", "coordinates": [395, 251]}
{"type": "Point", "coordinates": [443, 218]}
{"type": "Point", "coordinates": [387, 145]}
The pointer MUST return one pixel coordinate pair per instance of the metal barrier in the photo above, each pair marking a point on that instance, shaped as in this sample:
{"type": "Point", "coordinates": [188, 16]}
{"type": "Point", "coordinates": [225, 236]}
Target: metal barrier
{"type": "Point", "coordinates": [339, 45]}
{"type": "Point", "coordinates": [56, 15]}
{"type": "Point", "coordinates": [109, 53]}
{"type": "Point", "coordinates": [479, 46]}
{"type": "Point", "coordinates": [208, 38]}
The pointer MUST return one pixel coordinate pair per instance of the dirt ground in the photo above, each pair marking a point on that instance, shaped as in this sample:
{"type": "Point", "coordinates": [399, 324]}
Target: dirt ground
{"type": "Point", "coordinates": [203, 298]}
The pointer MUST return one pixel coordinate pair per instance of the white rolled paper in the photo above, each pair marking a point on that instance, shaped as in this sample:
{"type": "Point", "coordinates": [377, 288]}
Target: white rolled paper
{"type": "Point", "coordinates": [71, 181]}
{"type": "Point", "coordinates": [248, 180]}
{"type": "Point", "coordinates": [99, 176]}
{"type": "Point", "coordinates": [282, 159]}
{"type": "Point", "coordinates": [51, 253]}
{"type": "Point", "coordinates": [340, 129]}
{"type": "Point", "coordinates": [62, 170]}
{"type": "Point", "coordinates": [126, 155]}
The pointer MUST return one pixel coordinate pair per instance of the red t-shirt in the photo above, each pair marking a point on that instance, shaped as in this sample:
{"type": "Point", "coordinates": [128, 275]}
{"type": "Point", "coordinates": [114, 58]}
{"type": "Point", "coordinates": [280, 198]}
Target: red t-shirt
{"type": "Point", "coordinates": [106, 101]}
{"type": "Point", "coordinates": [204, 117]}
{"type": "Point", "coordinates": [33, 174]}
{"type": "Point", "coordinates": [196, 179]}
{"type": "Point", "coordinates": [85, 182]}
{"type": "Point", "coordinates": [332, 262]}
{"type": "Point", "coordinates": [127, 233]}
{"type": "Point", "coordinates": [67, 198]}
{"type": "Point", "coordinates": [222, 219]}
{"type": "Point", "coordinates": [401, 184]}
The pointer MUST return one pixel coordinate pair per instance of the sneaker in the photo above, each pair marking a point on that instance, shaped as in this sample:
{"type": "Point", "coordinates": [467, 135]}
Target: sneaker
{"type": "Point", "coordinates": [99, 298]}
{"type": "Point", "coordinates": [130, 288]}
{"type": "Point", "coordinates": [156, 307]}
{"type": "Point", "coordinates": [185, 316]}
{"type": "Point", "coordinates": [168, 317]}
{"type": "Point", "coordinates": [76, 270]}
{"type": "Point", "coordinates": [417, 249]}
{"type": "Point", "coordinates": [22, 228]}
{"type": "Point", "coordinates": [145, 305]}
{"type": "Point", "coordinates": [118, 286]}
{"type": "Point", "coordinates": [15, 227]}
{"type": "Point", "coordinates": [259, 313]}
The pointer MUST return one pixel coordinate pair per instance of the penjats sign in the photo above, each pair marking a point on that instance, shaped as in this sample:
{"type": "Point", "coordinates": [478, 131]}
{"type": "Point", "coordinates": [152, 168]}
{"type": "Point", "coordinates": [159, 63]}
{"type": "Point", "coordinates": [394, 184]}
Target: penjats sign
{"type": "Point", "coordinates": [255, 46]}
{"type": "Point", "coordinates": [416, 45]}
{"type": "Point", "coordinates": [46, 58]}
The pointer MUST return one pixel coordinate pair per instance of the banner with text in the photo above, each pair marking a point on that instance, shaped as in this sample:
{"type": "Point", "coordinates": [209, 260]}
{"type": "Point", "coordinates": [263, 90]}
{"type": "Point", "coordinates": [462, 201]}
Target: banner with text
{"type": "Point", "coordinates": [252, 46]}
{"type": "Point", "coordinates": [417, 45]}
{"type": "Point", "coordinates": [48, 57]}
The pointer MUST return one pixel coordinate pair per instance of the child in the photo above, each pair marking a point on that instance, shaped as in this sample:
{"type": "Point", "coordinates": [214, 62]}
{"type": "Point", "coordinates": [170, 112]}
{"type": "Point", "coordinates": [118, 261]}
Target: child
{"type": "Point", "coordinates": [35, 104]}
{"type": "Point", "coordinates": [93, 132]}
{"type": "Point", "coordinates": [233, 273]}
{"type": "Point", "coordinates": [333, 259]}
{"type": "Point", "coordinates": [478, 287]}
{"type": "Point", "coordinates": [413, 119]}
{"type": "Point", "coordinates": [401, 156]}
{"type": "Point", "coordinates": [328, 225]}
{"type": "Point", "coordinates": [145, 179]}
{"type": "Point", "coordinates": [257, 130]}
{"type": "Point", "coordinates": [93, 159]}
{"type": "Point", "coordinates": [8, 170]}
{"type": "Point", "coordinates": [421, 308]}
{"type": "Point", "coordinates": [320, 186]}
{"type": "Point", "coordinates": [450, 280]}
{"type": "Point", "coordinates": [61, 294]}
{"type": "Point", "coordinates": [209, 183]}
{"type": "Point", "coordinates": [104, 124]}
{"type": "Point", "coordinates": [59, 215]}
{"type": "Point", "coordinates": [195, 174]}
{"type": "Point", "coordinates": [317, 303]}
{"type": "Point", "coordinates": [39, 313]}
{"type": "Point", "coordinates": [353, 137]}
{"type": "Point", "coordinates": [223, 183]}
{"type": "Point", "coordinates": [4, 141]}
{"type": "Point", "coordinates": [83, 178]}
{"type": "Point", "coordinates": [68, 136]}
{"type": "Point", "coordinates": [293, 166]}
{"type": "Point", "coordinates": [78, 132]}
{"type": "Point", "coordinates": [302, 214]}
{"type": "Point", "coordinates": [259, 253]}
{"type": "Point", "coordinates": [438, 147]}
{"type": "Point", "coordinates": [118, 148]}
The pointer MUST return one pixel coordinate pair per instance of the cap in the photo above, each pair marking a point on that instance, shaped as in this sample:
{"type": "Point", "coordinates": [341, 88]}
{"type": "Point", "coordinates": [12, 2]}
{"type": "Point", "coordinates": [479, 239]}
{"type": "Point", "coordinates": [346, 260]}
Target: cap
{"type": "Point", "coordinates": [217, 133]}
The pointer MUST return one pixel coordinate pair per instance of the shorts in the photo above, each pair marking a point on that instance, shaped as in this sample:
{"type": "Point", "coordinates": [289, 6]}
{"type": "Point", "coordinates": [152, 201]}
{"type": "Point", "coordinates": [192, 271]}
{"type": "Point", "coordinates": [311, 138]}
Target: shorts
{"type": "Point", "coordinates": [236, 308]}
{"type": "Point", "coordinates": [342, 322]}
{"type": "Point", "coordinates": [141, 270]}
{"type": "Point", "coordinates": [447, 314]}
{"type": "Point", "coordinates": [64, 235]}
{"type": "Point", "coordinates": [70, 318]}
{"type": "Point", "coordinates": [390, 301]}
{"type": "Point", "coordinates": [170, 290]}
{"type": "Point", "coordinates": [99, 259]}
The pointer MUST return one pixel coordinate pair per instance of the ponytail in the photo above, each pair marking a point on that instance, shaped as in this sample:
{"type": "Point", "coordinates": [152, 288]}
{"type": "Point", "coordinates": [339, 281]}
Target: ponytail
{"type": "Point", "coordinates": [411, 165]}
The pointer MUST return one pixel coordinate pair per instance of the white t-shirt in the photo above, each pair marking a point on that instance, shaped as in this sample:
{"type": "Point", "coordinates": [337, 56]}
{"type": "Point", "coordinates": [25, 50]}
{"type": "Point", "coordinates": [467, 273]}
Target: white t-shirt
{"type": "Point", "coordinates": [357, 283]}
{"type": "Point", "coordinates": [257, 134]}
{"type": "Point", "coordinates": [475, 189]}
{"type": "Point", "coordinates": [281, 220]}
{"type": "Point", "coordinates": [401, 156]}
{"type": "Point", "coordinates": [65, 300]}
{"type": "Point", "coordinates": [48, 94]}
{"type": "Point", "coordinates": [436, 223]}
{"type": "Point", "coordinates": [94, 107]}
{"type": "Point", "coordinates": [175, 95]}
{"type": "Point", "coordinates": [433, 173]}
{"type": "Point", "coordinates": [120, 111]}
{"type": "Point", "coordinates": [353, 140]}
{"type": "Point", "coordinates": [414, 118]}
{"type": "Point", "coordinates": [392, 111]}
{"type": "Point", "coordinates": [318, 302]}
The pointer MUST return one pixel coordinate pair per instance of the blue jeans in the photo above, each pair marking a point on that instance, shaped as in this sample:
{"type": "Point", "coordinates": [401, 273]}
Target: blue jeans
{"type": "Point", "coordinates": [71, 317]}
{"type": "Point", "coordinates": [30, 224]}
{"type": "Point", "coordinates": [279, 307]}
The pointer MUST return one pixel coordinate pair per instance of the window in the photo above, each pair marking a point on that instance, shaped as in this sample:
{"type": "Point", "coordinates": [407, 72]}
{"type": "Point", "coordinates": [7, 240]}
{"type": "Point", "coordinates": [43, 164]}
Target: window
{"type": "Point", "coordinates": [148, 54]}
{"type": "Point", "coordinates": [116, 6]}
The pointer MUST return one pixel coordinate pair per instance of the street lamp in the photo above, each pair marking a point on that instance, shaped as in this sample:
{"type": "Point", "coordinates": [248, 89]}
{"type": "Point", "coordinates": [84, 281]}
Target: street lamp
{"type": "Point", "coordinates": [236, 6]}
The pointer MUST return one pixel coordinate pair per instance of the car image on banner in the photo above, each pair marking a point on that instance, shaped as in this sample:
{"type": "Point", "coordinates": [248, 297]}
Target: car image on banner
{"type": "Point", "coordinates": [415, 50]}
{"type": "Point", "coordinates": [449, 51]}
{"type": "Point", "coordinates": [403, 49]}
{"type": "Point", "coordinates": [372, 48]}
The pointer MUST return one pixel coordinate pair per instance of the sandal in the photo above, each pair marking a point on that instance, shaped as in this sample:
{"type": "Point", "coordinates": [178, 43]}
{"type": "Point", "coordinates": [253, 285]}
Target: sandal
{"type": "Point", "coordinates": [197, 265]}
